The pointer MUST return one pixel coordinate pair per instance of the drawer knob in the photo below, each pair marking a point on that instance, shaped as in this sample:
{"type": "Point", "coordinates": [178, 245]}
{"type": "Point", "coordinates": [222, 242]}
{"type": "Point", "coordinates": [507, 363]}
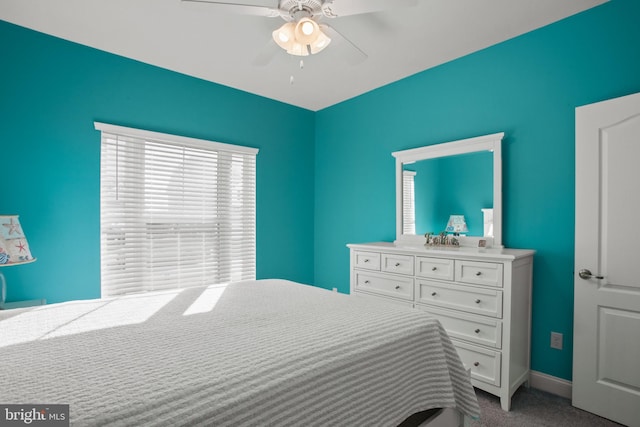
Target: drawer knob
{"type": "Point", "coordinates": [397, 287]}
{"type": "Point", "coordinates": [366, 282]}
{"type": "Point", "coordinates": [477, 331]}
{"type": "Point", "coordinates": [366, 260]}
{"type": "Point", "coordinates": [478, 273]}
{"type": "Point", "coordinates": [478, 301]}
{"type": "Point", "coordinates": [434, 268]}
{"type": "Point", "coordinates": [397, 264]}
{"type": "Point", "coordinates": [434, 293]}
{"type": "Point", "coordinates": [476, 363]}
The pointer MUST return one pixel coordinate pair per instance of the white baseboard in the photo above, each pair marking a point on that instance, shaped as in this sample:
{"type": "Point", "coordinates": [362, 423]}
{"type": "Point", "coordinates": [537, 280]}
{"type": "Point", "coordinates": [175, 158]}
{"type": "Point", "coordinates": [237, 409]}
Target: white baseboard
{"type": "Point", "coordinates": [553, 385]}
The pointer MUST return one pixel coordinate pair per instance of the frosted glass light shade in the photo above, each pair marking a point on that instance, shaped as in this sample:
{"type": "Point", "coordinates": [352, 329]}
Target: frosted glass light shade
{"type": "Point", "coordinates": [285, 35]}
{"type": "Point", "coordinates": [306, 31]}
{"type": "Point", "coordinates": [321, 42]}
{"type": "Point", "coordinates": [298, 49]}
{"type": "Point", "coordinates": [302, 38]}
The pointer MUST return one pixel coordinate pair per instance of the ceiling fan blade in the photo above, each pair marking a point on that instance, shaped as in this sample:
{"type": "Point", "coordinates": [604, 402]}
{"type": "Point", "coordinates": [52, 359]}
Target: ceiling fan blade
{"type": "Point", "coordinates": [267, 54]}
{"type": "Point", "coordinates": [240, 8]}
{"type": "Point", "coordinates": [335, 9]}
{"type": "Point", "coordinates": [353, 54]}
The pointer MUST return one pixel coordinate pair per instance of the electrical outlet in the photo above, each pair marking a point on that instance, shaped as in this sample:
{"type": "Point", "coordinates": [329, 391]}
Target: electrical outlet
{"type": "Point", "coordinates": [556, 340]}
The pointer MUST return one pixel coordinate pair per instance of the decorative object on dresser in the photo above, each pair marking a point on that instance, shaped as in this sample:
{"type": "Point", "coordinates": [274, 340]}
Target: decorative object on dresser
{"type": "Point", "coordinates": [14, 250]}
{"type": "Point", "coordinates": [478, 290]}
{"type": "Point", "coordinates": [457, 225]}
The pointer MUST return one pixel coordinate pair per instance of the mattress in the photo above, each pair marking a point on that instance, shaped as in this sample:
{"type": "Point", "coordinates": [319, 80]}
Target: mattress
{"type": "Point", "coordinates": [253, 353]}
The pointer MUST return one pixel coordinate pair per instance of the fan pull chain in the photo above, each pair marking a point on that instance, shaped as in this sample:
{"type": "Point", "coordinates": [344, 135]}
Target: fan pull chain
{"type": "Point", "coordinates": [291, 78]}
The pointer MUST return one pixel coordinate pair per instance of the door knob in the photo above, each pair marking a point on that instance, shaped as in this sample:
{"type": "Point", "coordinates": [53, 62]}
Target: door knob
{"type": "Point", "coordinates": [586, 274]}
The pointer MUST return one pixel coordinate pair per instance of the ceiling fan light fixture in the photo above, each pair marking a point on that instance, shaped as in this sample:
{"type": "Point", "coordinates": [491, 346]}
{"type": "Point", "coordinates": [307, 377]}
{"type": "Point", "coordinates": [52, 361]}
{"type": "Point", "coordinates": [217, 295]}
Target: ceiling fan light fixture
{"type": "Point", "coordinates": [301, 38]}
{"type": "Point", "coordinates": [298, 49]}
{"type": "Point", "coordinates": [285, 35]}
{"type": "Point", "coordinates": [321, 42]}
{"type": "Point", "coordinates": [307, 28]}
{"type": "Point", "coordinates": [306, 31]}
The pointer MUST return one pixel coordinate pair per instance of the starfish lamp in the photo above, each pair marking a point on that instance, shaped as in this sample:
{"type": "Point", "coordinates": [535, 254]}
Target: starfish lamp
{"type": "Point", "coordinates": [14, 248]}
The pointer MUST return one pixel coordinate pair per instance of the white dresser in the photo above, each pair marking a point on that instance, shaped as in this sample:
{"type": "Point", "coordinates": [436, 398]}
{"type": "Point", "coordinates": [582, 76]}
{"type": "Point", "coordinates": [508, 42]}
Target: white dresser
{"type": "Point", "coordinates": [482, 297]}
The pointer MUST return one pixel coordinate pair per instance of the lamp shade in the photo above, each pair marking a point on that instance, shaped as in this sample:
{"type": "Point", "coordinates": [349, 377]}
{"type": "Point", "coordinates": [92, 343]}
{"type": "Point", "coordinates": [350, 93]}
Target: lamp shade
{"type": "Point", "coordinates": [457, 224]}
{"type": "Point", "coordinates": [14, 248]}
{"type": "Point", "coordinates": [285, 35]}
{"type": "Point", "coordinates": [298, 49]}
{"type": "Point", "coordinates": [301, 38]}
{"type": "Point", "coordinates": [320, 43]}
{"type": "Point", "coordinates": [306, 31]}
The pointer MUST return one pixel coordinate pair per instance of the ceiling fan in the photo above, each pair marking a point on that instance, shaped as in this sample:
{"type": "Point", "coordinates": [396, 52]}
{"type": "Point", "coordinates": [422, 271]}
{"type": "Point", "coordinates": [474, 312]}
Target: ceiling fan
{"type": "Point", "coordinates": [304, 33]}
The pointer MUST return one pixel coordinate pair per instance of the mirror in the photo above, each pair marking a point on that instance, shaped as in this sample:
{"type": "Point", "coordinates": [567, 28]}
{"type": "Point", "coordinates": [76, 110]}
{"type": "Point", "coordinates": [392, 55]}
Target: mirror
{"type": "Point", "coordinates": [460, 184]}
{"type": "Point", "coordinates": [454, 178]}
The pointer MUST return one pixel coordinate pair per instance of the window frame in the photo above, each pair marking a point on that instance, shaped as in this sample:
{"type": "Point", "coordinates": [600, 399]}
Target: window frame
{"type": "Point", "coordinates": [225, 155]}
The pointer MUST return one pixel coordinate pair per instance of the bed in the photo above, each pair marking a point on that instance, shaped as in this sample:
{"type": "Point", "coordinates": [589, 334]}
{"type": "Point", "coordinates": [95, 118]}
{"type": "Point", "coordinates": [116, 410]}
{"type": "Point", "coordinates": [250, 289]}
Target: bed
{"type": "Point", "coordinates": [253, 353]}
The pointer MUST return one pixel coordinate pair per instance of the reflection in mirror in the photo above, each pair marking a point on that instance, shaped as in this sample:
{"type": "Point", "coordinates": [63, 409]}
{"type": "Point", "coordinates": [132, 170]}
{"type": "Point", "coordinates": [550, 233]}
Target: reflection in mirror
{"type": "Point", "coordinates": [454, 178]}
{"type": "Point", "coordinates": [487, 215]}
{"type": "Point", "coordinates": [444, 186]}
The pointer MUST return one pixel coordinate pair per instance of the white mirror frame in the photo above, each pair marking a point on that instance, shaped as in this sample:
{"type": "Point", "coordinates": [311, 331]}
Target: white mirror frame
{"type": "Point", "coordinates": [492, 143]}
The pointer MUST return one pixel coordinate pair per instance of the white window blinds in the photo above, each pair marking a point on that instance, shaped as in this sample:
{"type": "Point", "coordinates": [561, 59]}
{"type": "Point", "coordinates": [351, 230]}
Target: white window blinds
{"type": "Point", "coordinates": [408, 202]}
{"type": "Point", "coordinates": [175, 212]}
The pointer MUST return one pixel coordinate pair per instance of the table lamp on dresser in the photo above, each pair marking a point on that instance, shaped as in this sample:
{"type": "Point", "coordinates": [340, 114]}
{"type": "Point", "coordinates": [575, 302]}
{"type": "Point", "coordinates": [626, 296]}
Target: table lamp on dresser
{"type": "Point", "coordinates": [14, 249]}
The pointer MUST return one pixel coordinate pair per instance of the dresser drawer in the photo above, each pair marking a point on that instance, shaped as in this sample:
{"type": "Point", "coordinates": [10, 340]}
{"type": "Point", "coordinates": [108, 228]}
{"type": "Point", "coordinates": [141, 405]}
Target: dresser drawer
{"type": "Point", "coordinates": [479, 273]}
{"type": "Point", "coordinates": [385, 284]}
{"type": "Point", "coordinates": [401, 264]}
{"type": "Point", "coordinates": [383, 299]}
{"type": "Point", "coordinates": [484, 364]}
{"type": "Point", "coordinates": [468, 327]}
{"type": "Point", "coordinates": [477, 300]}
{"type": "Point", "coordinates": [367, 260]}
{"type": "Point", "coordinates": [434, 268]}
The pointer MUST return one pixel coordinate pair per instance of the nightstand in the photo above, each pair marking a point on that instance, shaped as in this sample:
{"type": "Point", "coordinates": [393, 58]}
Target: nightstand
{"type": "Point", "coordinates": [21, 304]}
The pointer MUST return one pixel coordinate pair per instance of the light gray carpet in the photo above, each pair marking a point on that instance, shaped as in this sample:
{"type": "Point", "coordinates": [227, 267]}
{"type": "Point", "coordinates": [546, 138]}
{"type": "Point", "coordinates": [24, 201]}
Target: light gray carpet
{"type": "Point", "coordinates": [535, 408]}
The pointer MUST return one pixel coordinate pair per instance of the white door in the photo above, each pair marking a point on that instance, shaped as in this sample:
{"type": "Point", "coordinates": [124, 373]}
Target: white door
{"type": "Point", "coordinates": [606, 339]}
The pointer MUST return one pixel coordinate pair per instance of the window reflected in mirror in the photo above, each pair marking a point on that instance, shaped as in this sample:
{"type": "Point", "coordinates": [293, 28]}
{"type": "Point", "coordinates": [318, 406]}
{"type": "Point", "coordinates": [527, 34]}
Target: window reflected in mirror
{"type": "Point", "coordinates": [408, 202]}
{"type": "Point", "coordinates": [434, 189]}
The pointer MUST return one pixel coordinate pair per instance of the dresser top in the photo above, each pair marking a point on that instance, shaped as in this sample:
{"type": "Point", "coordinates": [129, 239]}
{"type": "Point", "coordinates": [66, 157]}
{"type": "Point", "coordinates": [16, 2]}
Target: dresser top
{"type": "Point", "coordinates": [446, 251]}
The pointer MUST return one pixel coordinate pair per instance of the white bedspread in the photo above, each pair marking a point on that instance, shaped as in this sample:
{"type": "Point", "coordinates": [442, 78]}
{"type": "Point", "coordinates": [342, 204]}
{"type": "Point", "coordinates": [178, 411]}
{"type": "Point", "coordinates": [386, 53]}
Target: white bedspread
{"type": "Point", "coordinates": [262, 353]}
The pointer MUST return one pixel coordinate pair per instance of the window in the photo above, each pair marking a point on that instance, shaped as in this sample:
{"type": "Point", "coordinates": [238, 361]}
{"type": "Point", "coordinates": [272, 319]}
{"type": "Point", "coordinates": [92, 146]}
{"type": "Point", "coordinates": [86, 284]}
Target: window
{"type": "Point", "coordinates": [175, 212]}
{"type": "Point", "coordinates": [408, 202]}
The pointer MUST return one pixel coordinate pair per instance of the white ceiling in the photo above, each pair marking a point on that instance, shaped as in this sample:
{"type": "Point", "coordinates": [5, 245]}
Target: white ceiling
{"type": "Point", "coordinates": [199, 40]}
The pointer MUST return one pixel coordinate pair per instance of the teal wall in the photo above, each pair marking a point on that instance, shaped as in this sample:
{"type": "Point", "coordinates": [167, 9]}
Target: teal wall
{"type": "Point", "coordinates": [317, 190]}
{"type": "Point", "coordinates": [51, 92]}
{"type": "Point", "coordinates": [527, 87]}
